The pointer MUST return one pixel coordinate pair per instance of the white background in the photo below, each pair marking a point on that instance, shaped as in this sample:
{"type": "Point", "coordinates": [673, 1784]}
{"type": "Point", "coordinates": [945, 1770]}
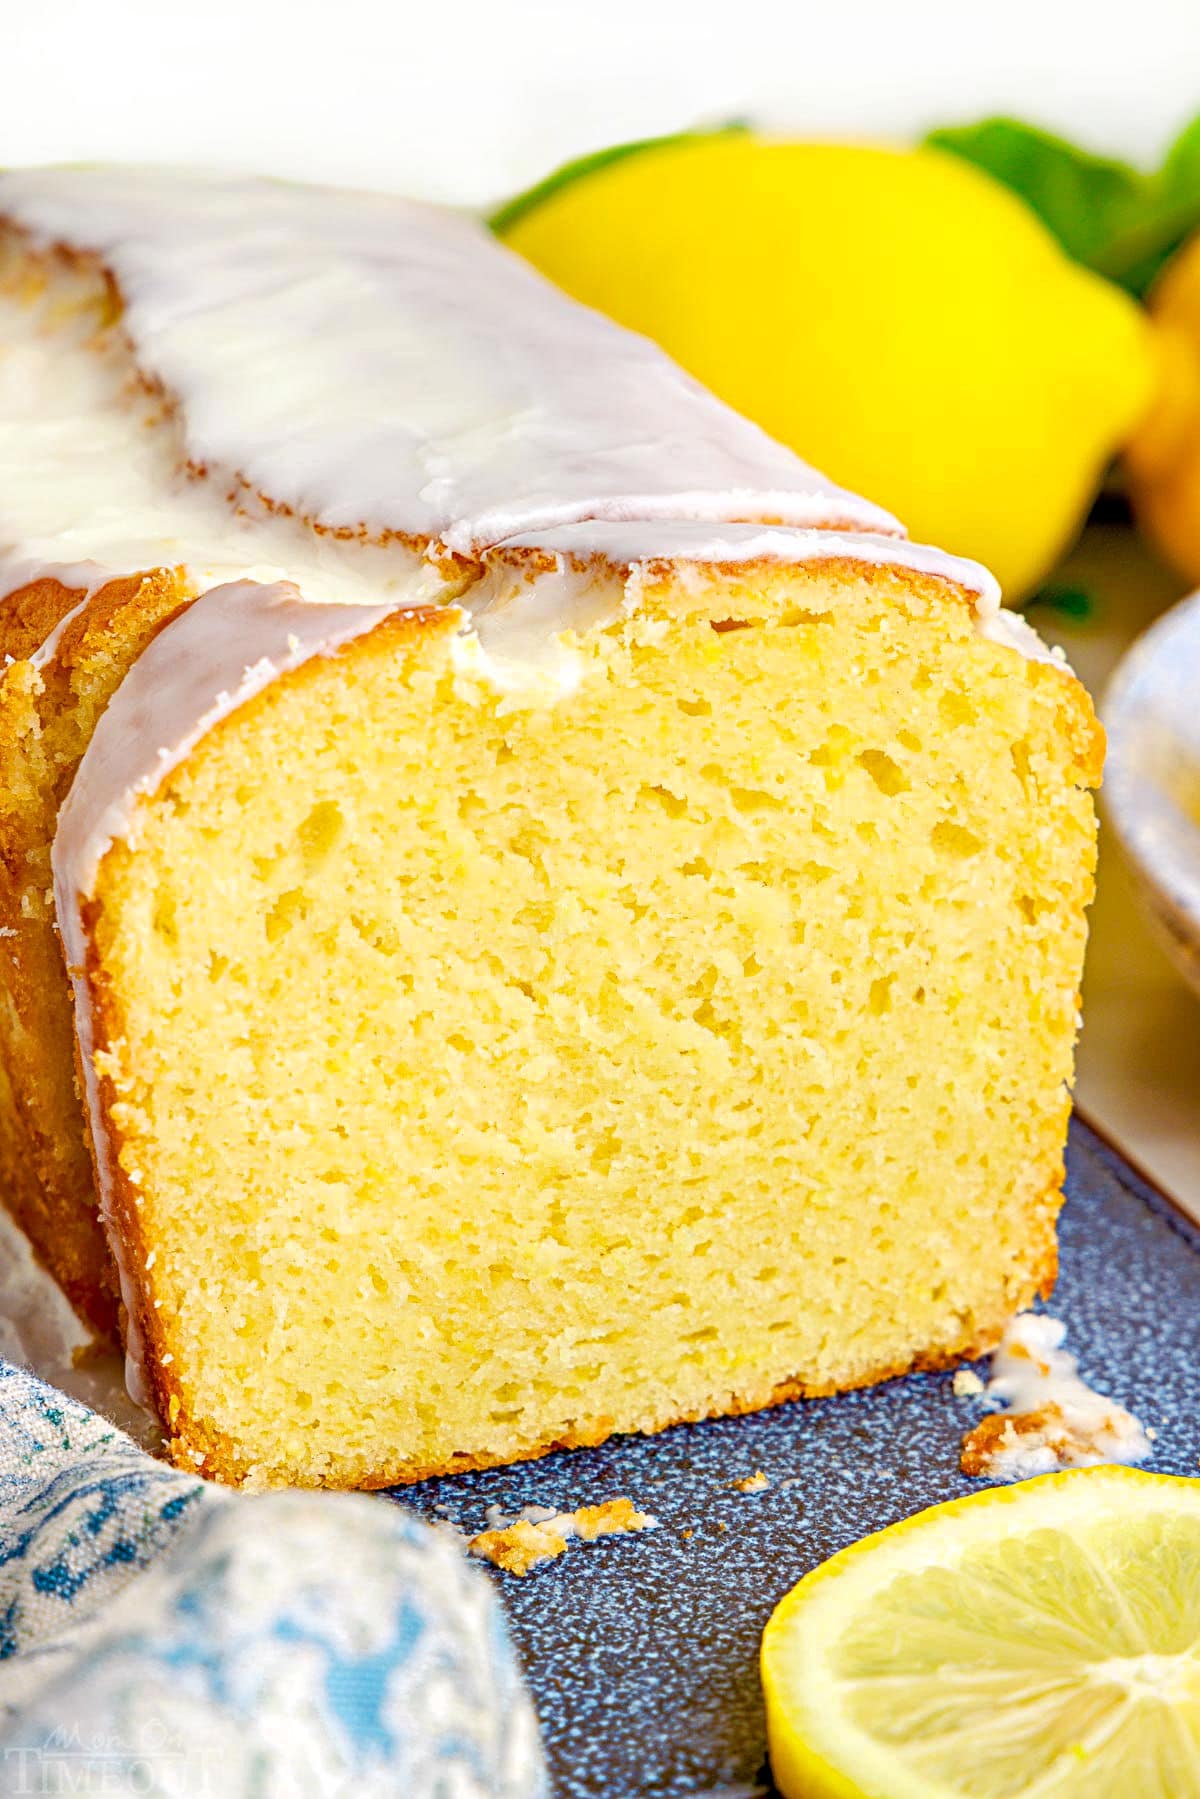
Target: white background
{"type": "Point", "coordinates": [470, 99]}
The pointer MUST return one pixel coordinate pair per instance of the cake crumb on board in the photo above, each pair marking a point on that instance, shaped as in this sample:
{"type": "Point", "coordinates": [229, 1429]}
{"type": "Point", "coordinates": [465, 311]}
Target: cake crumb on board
{"type": "Point", "coordinates": [539, 1533]}
{"type": "Point", "coordinates": [518, 1547]}
{"type": "Point", "coordinates": [757, 1482]}
{"type": "Point", "coordinates": [1054, 1419]}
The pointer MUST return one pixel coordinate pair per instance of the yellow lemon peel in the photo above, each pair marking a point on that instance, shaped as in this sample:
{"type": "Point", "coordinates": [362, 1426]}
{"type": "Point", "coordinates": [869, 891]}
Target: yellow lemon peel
{"type": "Point", "coordinates": [1163, 459]}
{"type": "Point", "coordinates": [900, 318]}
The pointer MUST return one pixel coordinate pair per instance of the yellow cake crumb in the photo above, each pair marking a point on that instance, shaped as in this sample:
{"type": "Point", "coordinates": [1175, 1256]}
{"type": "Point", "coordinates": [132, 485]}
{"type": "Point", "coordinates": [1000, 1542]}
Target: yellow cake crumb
{"type": "Point", "coordinates": [966, 1383]}
{"type": "Point", "coordinates": [753, 1483]}
{"type": "Point", "coordinates": [1001, 1437]}
{"type": "Point", "coordinates": [610, 1519]}
{"type": "Point", "coordinates": [518, 1547]}
{"type": "Point", "coordinates": [521, 1545]}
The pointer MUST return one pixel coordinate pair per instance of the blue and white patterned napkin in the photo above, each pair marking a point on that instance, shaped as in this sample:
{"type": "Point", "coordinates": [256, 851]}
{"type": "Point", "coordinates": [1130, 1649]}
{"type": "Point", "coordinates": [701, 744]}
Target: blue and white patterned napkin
{"type": "Point", "coordinates": [161, 1636]}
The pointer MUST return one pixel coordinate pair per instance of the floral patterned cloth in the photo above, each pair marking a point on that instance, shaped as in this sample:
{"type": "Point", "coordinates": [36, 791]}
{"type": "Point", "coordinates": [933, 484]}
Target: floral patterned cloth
{"type": "Point", "coordinates": [160, 1636]}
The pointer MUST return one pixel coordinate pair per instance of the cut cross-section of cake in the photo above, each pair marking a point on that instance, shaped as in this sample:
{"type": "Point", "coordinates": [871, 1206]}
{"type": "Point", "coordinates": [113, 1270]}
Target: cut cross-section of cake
{"type": "Point", "coordinates": [574, 922]}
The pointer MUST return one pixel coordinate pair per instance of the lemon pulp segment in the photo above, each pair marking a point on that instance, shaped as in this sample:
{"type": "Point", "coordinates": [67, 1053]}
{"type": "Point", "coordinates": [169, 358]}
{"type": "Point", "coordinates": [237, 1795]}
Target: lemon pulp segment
{"type": "Point", "coordinates": [1042, 1639]}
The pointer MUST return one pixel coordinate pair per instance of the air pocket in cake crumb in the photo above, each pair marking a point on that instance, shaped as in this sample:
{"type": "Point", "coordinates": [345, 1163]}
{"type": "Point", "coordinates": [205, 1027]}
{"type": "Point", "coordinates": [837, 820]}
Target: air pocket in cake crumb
{"type": "Point", "coordinates": [538, 1533]}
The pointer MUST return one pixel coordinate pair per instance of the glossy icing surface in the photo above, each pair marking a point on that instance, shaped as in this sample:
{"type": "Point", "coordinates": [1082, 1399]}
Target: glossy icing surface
{"type": "Point", "coordinates": [1051, 1417]}
{"type": "Point", "coordinates": [638, 542]}
{"type": "Point", "coordinates": [371, 361]}
{"type": "Point", "coordinates": [93, 478]}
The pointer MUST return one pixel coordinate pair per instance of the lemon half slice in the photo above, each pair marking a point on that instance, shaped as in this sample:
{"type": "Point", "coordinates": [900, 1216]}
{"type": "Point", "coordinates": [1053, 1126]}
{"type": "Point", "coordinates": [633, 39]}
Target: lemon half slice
{"type": "Point", "coordinates": [1042, 1640]}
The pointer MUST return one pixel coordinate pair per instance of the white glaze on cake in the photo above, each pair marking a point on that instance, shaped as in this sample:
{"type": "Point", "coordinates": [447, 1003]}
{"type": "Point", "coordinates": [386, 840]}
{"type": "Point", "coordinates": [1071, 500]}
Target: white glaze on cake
{"type": "Point", "coordinates": [587, 575]}
{"type": "Point", "coordinates": [93, 483]}
{"type": "Point", "coordinates": [371, 361]}
{"type": "Point", "coordinates": [638, 543]}
{"type": "Point", "coordinates": [997, 624]}
{"type": "Point", "coordinates": [47, 650]}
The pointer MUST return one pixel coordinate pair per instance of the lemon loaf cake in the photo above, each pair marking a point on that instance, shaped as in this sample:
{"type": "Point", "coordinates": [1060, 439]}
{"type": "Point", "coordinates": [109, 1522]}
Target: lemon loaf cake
{"type": "Point", "coordinates": [526, 913]}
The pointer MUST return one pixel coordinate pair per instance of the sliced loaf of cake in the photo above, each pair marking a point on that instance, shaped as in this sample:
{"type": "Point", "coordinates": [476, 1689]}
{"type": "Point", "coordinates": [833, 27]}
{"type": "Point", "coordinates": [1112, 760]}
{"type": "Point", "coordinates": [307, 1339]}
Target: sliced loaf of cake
{"type": "Point", "coordinates": [571, 922]}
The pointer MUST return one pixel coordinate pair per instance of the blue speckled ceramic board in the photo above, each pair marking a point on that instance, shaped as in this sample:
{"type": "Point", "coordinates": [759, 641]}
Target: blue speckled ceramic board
{"type": "Point", "coordinates": [642, 1651]}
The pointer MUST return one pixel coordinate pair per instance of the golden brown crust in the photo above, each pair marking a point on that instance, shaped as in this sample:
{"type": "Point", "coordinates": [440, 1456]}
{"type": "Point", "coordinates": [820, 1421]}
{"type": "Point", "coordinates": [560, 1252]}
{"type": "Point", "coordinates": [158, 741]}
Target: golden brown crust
{"type": "Point", "coordinates": [44, 1161]}
{"type": "Point", "coordinates": [518, 1547]}
{"type": "Point", "coordinates": [29, 614]}
{"type": "Point", "coordinates": [1004, 1430]}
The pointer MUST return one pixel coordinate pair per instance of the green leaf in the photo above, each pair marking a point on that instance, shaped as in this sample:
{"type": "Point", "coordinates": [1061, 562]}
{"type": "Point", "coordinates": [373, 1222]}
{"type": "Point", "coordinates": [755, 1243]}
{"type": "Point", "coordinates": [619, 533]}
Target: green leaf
{"type": "Point", "coordinates": [507, 215]}
{"type": "Point", "coordinates": [1117, 220]}
{"type": "Point", "coordinates": [1069, 602]}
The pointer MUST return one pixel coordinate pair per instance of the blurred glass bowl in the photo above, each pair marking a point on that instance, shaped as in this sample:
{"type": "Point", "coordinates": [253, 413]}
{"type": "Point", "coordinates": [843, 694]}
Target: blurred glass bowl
{"type": "Point", "coordinates": [1152, 778]}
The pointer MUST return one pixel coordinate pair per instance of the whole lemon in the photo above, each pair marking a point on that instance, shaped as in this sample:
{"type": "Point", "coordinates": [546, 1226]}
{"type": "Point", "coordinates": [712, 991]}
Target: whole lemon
{"type": "Point", "coordinates": [1163, 459]}
{"type": "Point", "coordinates": [901, 319]}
